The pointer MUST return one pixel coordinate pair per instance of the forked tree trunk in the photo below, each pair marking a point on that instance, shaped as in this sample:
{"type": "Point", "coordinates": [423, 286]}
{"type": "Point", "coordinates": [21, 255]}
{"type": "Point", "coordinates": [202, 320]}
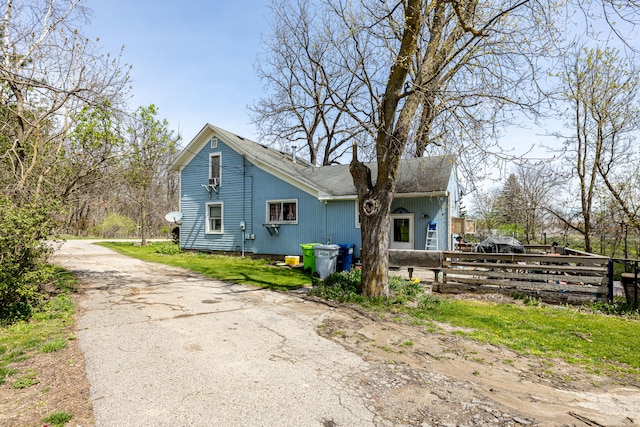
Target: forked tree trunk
{"type": "Point", "coordinates": [375, 201]}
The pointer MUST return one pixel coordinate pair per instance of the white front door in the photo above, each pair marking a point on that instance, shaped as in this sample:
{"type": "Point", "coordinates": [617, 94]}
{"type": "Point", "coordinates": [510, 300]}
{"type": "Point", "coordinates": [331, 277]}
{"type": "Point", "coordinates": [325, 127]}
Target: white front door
{"type": "Point", "coordinates": [401, 234]}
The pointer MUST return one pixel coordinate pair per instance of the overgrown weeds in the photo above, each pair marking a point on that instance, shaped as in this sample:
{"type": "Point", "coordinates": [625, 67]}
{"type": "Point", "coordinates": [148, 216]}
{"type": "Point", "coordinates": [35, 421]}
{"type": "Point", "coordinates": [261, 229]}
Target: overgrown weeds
{"type": "Point", "coordinates": [58, 419]}
{"type": "Point", "coordinates": [168, 248]}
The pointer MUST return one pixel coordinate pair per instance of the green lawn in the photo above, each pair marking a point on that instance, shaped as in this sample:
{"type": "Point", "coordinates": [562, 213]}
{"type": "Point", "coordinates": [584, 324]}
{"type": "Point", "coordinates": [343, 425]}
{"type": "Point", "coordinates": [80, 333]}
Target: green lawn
{"type": "Point", "coordinates": [589, 339]}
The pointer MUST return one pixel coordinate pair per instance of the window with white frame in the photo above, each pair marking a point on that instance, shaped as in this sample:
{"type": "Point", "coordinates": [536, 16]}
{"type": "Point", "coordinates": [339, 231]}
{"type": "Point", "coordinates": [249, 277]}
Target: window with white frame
{"type": "Point", "coordinates": [357, 214]}
{"type": "Point", "coordinates": [282, 211]}
{"type": "Point", "coordinates": [215, 214]}
{"type": "Point", "coordinates": [215, 168]}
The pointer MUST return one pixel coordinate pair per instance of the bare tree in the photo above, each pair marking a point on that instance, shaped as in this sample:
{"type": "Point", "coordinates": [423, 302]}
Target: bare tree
{"type": "Point", "coordinates": [600, 89]}
{"type": "Point", "coordinates": [538, 184]}
{"type": "Point", "coordinates": [485, 209]}
{"type": "Point", "coordinates": [407, 86]}
{"type": "Point", "coordinates": [298, 74]}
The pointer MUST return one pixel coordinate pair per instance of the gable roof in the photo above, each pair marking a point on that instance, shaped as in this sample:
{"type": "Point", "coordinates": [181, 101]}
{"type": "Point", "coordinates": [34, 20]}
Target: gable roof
{"type": "Point", "coordinates": [421, 176]}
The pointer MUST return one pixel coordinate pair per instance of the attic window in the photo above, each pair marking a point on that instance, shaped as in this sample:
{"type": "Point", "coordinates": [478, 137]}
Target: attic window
{"type": "Point", "coordinates": [214, 142]}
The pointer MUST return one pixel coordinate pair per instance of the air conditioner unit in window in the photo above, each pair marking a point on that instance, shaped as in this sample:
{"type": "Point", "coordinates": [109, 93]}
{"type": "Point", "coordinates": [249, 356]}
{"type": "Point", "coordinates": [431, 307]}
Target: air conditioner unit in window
{"type": "Point", "coordinates": [214, 181]}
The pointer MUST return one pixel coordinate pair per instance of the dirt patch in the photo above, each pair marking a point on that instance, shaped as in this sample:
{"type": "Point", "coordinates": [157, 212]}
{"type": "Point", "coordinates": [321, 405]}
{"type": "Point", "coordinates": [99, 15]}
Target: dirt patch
{"type": "Point", "coordinates": [422, 378]}
{"type": "Point", "coordinates": [62, 387]}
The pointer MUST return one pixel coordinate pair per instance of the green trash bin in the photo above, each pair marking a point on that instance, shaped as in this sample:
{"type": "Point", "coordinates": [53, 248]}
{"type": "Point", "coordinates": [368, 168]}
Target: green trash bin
{"type": "Point", "coordinates": [308, 257]}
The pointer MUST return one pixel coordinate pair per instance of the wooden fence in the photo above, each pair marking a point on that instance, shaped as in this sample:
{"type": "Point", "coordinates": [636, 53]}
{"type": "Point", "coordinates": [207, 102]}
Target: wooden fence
{"type": "Point", "coordinates": [568, 276]}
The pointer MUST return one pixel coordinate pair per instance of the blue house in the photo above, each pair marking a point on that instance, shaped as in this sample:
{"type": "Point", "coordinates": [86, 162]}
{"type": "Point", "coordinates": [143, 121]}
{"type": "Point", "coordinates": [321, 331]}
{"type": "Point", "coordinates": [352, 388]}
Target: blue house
{"type": "Point", "coordinates": [238, 195]}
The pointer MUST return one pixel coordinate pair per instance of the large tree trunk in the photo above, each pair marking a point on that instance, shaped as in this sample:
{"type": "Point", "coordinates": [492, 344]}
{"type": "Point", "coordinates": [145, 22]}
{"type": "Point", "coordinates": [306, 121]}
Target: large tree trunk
{"type": "Point", "coordinates": [392, 133]}
{"type": "Point", "coordinates": [374, 209]}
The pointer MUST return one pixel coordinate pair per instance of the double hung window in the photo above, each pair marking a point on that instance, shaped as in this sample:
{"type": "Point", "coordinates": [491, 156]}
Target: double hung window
{"type": "Point", "coordinates": [215, 214]}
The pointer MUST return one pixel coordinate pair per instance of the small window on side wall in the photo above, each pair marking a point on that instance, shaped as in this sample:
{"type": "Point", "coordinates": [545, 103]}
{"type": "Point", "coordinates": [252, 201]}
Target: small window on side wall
{"type": "Point", "coordinates": [282, 212]}
{"type": "Point", "coordinates": [215, 214]}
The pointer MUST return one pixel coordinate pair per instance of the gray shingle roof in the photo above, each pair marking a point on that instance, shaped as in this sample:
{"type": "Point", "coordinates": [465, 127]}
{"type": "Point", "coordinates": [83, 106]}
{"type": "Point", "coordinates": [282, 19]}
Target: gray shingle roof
{"type": "Point", "coordinates": [416, 176]}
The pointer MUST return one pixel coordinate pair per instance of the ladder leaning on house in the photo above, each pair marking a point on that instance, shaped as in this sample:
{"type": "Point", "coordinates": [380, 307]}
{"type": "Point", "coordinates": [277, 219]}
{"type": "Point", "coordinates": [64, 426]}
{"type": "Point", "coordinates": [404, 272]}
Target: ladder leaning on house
{"type": "Point", "coordinates": [431, 243]}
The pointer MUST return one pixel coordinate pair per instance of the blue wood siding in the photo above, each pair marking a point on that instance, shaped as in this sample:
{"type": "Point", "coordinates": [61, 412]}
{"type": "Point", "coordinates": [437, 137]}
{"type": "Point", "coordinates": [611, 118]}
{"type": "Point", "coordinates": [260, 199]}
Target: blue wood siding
{"type": "Point", "coordinates": [340, 224]}
{"type": "Point", "coordinates": [245, 190]}
{"type": "Point", "coordinates": [310, 214]}
{"type": "Point", "coordinates": [425, 210]}
{"type": "Point", "coordinates": [233, 192]}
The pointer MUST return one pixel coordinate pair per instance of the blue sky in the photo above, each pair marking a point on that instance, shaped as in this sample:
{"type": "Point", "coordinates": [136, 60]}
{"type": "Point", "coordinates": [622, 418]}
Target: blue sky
{"type": "Point", "coordinates": [194, 60]}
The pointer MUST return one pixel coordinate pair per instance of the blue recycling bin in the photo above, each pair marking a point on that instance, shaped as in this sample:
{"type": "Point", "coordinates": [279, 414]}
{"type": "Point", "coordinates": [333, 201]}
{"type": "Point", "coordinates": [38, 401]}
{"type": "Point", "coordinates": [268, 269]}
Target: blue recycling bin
{"type": "Point", "coordinates": [345, 256]}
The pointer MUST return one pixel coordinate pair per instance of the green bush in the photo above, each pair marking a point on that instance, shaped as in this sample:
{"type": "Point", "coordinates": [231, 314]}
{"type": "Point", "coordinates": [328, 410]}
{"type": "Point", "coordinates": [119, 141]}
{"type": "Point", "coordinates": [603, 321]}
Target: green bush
{"type": "Point", "coordinates": [115, 226]}
{"type": "Point", "coordinates": [168, 249]}
{"type": "Point", "coordinates": [24, 251]}
{"type": "Point", "coordinates": [342, 286]}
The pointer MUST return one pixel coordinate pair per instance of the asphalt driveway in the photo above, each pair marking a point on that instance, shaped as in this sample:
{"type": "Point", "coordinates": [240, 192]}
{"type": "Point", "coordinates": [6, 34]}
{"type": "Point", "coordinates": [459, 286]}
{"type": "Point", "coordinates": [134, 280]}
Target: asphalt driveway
{"type": "Point", "coordinates": [166, 347]}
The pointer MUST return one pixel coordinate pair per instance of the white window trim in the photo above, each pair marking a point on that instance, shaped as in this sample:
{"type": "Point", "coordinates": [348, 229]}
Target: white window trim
{"type": "Point", "coordinates": [283, 201]}
{"type": "Point", "coordinates": [357, 219]}
{"type": "Point", "coordinates": [213, 142]}
{"type": "Point", "coordinates": [208, 219]}
{"type": "Point", "coordinates": [219, 155]}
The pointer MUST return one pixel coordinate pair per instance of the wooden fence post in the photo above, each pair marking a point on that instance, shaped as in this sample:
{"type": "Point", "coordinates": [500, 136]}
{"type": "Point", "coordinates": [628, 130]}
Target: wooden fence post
{"type": "Point", "coordinates": [610, 279]}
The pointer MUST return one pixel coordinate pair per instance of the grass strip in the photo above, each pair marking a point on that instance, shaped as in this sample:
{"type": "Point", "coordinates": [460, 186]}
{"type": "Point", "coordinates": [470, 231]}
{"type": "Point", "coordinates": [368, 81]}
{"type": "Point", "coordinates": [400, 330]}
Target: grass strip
{"type": "Point", "coordinates": [245, 271]}
{"type": "Point", "coordinates": [577, 336]}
